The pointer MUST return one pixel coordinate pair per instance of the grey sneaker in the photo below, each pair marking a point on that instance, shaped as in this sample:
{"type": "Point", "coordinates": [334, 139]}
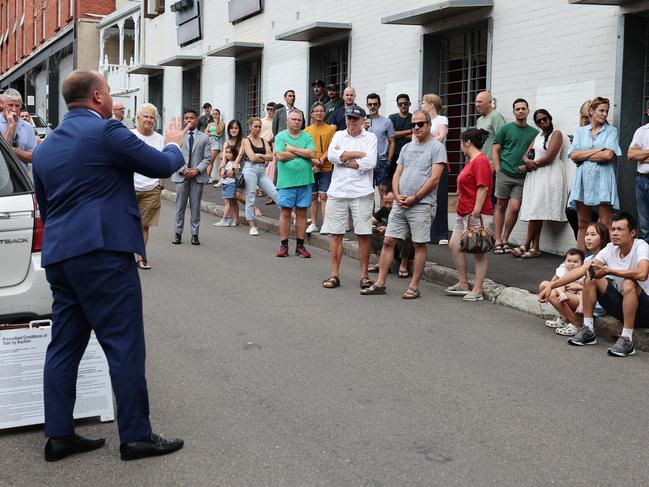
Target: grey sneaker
{"type": "Point", "coordinates": [585, 336]}
{"type": "Point", "coordinates": [623, 347]}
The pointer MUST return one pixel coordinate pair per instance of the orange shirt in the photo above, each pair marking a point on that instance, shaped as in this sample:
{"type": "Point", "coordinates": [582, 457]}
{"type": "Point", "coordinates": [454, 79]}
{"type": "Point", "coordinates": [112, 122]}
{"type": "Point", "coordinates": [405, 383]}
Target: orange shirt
{"type": "Point", "coordinates": [322, 138]}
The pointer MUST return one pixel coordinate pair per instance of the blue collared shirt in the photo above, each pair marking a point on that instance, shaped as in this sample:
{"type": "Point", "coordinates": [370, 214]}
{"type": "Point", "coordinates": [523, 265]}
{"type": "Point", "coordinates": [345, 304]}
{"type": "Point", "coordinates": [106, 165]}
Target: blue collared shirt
{"type": "Point", "coordinates": [24, 135]}
{"type": "Point", "coordinates": [606, 138]}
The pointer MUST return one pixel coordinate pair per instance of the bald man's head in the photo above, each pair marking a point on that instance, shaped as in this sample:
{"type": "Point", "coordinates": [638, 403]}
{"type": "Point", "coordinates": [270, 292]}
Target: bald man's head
{"type": "Point", "coordinates": [483, 102]}
{"type": "Point", "coordinates": [349, 96]}
{"type": "Point", "coordinates": [87, 89]}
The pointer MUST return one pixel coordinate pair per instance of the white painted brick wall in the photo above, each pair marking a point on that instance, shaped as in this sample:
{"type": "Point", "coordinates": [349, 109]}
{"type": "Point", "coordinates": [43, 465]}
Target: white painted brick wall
{"type": "Point", "coordinates": [553, 53]}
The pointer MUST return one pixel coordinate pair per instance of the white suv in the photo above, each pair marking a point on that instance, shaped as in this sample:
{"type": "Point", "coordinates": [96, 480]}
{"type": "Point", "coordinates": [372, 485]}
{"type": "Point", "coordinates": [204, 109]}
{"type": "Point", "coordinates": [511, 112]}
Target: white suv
{"type": "Point", "coordinates": [24, 292]}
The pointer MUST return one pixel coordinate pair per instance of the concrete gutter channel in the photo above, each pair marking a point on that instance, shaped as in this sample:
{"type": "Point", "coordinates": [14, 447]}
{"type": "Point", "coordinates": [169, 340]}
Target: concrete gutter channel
{"type": "Point", "coordinates": [519, 299]}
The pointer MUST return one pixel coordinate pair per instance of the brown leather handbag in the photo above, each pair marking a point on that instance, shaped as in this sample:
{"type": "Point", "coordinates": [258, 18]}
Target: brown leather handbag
{"type": "Point", "coordinates": [477, 240]}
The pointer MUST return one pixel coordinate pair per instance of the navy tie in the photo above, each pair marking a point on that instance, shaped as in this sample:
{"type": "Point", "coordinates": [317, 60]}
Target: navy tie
{"type": "Point", "coordinates": [191, 146]}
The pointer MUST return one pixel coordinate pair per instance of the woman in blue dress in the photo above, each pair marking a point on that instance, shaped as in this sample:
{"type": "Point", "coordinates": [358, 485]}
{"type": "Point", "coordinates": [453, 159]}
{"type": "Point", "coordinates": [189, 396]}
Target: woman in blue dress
{"type": "Point", "coordinates": [594, 150]}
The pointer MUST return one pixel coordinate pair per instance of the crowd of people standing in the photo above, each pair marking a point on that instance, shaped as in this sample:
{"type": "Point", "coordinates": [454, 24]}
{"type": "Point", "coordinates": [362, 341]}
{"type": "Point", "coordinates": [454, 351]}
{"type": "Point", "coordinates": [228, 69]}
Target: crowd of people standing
{"type": "Point", "coordinates": [323, 169]}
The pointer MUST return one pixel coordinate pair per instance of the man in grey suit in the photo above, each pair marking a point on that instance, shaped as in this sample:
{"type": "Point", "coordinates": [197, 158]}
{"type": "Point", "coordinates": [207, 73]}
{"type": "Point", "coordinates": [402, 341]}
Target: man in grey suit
{"type": "Point", "coordinates": [279, 119]}
{"type": "Point", "coordinates": [190, 178]}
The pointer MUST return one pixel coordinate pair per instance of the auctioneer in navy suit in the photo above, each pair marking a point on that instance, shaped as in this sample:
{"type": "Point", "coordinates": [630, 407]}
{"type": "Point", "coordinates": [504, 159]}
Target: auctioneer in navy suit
{"type": "Point", "coordinates": [83, 174]}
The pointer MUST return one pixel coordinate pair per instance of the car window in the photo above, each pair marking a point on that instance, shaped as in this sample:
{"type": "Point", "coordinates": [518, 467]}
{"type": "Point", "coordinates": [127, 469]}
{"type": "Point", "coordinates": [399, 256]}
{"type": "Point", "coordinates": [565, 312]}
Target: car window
{"type": "Point", "coordinates": [11, 181]}
{"type": "Point", "coordinates": [38, 121]}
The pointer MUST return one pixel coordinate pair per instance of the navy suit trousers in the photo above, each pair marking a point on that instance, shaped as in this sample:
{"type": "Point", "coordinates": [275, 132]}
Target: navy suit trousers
{"type": "Point", "coordinates": [97, 291]}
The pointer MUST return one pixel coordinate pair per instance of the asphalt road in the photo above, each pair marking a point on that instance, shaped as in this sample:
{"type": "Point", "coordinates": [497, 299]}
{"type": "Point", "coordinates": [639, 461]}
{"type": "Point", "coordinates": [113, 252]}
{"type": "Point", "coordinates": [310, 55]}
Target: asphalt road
{"type": "Point", "coordinates": [274, 381]}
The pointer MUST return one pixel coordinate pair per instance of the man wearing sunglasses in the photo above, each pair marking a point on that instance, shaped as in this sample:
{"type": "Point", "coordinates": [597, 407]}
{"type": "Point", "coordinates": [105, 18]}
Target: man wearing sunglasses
{"type": "Point", "coordinates": [402, 130]}
{"type": "Point", "coordinates": [384, 131]}
{"type": "Point", "coordinates": [419, 168]}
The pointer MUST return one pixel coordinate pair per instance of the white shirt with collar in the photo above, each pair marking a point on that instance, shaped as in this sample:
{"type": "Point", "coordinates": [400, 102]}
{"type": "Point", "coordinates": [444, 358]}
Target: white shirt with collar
{"type": "Point", "coordinates": [345, 181]}
{"type": "Point", "coordinates": [641, 138]}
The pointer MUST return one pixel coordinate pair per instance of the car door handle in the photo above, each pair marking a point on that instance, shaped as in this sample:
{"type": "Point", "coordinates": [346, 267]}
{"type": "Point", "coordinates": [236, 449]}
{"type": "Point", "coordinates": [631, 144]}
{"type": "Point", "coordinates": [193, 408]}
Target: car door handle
{"type": "Point", "coordinates": [6, 215]}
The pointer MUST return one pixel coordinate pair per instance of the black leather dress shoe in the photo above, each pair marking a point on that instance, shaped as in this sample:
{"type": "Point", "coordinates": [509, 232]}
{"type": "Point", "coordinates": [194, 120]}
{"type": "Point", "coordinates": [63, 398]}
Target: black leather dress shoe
{"type": "Point", "coordinates": [149, 446]}
{"type": "Point", "coordinates": [177, 239]}
{"type": "Point", "coordinates": [59, 448]}
{"type": "Point", "coordinates": [195, 240]}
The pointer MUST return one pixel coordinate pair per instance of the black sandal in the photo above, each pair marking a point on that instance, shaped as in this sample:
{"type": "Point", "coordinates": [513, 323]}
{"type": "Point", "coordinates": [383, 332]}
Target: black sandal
{"type": "Point", "coordinates": [331, 283]}
{"type": "Point", "coordinates": [372, 290]}
{"type": "Point", "coordinates": [366, 282]}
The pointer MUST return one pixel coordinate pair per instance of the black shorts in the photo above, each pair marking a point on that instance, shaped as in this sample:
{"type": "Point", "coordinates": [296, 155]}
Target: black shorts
{"type": "Point", "coordinates": [611, 301]}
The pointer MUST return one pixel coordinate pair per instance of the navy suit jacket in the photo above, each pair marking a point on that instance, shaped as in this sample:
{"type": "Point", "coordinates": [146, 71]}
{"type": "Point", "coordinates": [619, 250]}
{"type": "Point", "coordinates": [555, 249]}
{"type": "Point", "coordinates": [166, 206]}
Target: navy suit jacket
{"type": "Point", "coordinates": [83, 176]}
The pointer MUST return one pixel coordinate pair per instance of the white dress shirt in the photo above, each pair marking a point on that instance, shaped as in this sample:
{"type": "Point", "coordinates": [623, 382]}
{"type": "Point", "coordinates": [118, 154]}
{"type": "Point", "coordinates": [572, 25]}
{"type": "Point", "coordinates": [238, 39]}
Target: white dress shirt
{"type": "Point", "coordinates": [345, 181]}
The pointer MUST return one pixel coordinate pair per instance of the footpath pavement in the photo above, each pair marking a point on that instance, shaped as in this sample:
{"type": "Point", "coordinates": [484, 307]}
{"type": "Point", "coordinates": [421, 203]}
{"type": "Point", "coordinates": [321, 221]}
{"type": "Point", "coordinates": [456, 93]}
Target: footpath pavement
{"type": "Point", "coordinates": [511, 282]}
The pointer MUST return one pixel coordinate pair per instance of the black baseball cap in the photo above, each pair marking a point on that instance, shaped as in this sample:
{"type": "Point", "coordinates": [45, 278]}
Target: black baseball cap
{"type": "Point", "coordinates": [318, 82]}
{"type": "Point", "coordinates": [354, 111]}
{"type": "Point", "coordinates": [207, 105]}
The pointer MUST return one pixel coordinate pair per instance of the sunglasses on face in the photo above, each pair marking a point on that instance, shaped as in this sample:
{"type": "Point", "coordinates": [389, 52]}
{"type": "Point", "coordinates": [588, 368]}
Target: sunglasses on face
{"type": "Point", "coordinates": [372, 104]}
{"type": "Point", "coordinates": [404, 104]}
{"type": "Point", "coordinates": [541, 120]}
{"type": "Point", "coordinates": [418, 124]}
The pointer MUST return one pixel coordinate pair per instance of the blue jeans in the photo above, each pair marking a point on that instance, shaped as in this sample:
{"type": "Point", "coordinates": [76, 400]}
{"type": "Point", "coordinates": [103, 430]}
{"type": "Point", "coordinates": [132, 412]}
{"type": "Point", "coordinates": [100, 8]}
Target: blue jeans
{"type": "Point", "coordinates": [642, 203]}
{"type": "Point", "coordinates": [255, 175]}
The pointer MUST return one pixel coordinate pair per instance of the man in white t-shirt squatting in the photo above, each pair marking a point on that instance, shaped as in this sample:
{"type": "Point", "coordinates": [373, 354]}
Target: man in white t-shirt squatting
{"type": "Point", "coordinates": [617, 279]}
{"type": "Point", "coordinates": [147, 190]}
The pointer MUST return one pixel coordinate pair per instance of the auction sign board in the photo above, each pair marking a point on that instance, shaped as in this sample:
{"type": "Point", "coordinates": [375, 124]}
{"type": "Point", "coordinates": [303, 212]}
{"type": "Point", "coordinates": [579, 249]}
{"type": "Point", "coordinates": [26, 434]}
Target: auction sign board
{"type": "Point", "coordinates": [22, 357]}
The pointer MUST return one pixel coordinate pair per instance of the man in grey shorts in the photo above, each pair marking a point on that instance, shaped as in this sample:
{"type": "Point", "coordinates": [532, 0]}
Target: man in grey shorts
{"type": "Point", "coordinates": [419, 169]}
{"type": "Point", "coordinates": [510, 145]}
{"type": "Point", "coordinates": [353, 155]}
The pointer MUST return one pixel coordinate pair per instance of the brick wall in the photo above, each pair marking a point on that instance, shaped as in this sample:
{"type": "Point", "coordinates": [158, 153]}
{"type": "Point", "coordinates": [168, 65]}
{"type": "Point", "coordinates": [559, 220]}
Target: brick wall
{"type": "Point", "coordinates": [57, 16]}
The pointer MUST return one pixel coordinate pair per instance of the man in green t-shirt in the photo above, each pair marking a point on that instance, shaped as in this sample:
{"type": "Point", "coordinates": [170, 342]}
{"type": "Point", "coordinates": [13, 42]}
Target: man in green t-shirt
{"type": "Point", "coordinates": [510, 145]}
{"type": "Point", "coordinates": [294, 150]}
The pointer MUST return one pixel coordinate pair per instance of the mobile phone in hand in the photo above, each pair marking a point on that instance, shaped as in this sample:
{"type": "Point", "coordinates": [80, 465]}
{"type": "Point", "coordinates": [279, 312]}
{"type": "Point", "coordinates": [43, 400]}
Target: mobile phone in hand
{"type": "Point", "coordinates": [591, 272]}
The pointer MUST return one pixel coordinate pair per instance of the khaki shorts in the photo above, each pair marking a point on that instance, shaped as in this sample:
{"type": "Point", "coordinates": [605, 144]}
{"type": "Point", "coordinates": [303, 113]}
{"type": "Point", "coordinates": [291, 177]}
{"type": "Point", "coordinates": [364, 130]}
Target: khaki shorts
{"type": "Point", "coordinates": [337, 215]}
{"type": "Point", "coordinates": [509, 187]}
{"type": "Point", "coordinates": [149, 203]}
{"type": "Point", "coordinates": [411, 222]}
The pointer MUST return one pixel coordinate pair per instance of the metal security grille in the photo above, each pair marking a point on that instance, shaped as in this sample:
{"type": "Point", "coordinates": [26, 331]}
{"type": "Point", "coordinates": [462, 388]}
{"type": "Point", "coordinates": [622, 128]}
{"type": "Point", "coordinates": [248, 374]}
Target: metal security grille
{"type": "Point", "coordinates": [463, 74]}
{"type": "Point", "coordinates": [336, 63]}
{"type": "Point", "coordinates": [252, 89]}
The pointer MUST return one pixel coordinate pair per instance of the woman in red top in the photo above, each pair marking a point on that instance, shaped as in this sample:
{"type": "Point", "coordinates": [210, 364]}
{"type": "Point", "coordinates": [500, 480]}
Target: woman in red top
{"type": "Point", "coordinates": [474, 186]}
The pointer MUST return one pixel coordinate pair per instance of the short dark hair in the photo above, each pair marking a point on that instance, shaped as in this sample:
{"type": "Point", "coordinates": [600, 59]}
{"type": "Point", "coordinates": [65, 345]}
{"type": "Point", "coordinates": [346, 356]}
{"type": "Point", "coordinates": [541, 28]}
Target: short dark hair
{"type": "Point", "coordinates": [288, 91]}
{"type": "Point", "coordinates": [476, 136]}
{"type": "Point", "coordinates": [520, 100]}
{"type": "Point", "coordinates": [233, 149]}
{"type": "Point", "coordinates": [403, 95]}
{"type": "Point", "coordinates": [373, 96]}
{"type": "Point", "coordinates": [575, 251]}
{"type": "Point", "coordinates": [79, 85]}
{"type": "Point", "coordinates": [624, 215]}
{"type": "Point", "coordinates": [270, 104]}
{"type": "Point", "coordinates": [190, 110]}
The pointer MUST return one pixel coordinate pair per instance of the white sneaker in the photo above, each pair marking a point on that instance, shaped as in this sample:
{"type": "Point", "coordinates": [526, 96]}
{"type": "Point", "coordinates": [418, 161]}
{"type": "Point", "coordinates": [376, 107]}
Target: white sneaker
{"type": "Point", "coordinates": [312, 228]}
{"type": "Point", "coordinates": [232, 223]}
{"type": "Point", "coordinates": [218, 185]}
{"type": "Point", "coordinates": [443, 242]}
{"type": "Point", "coordinates": [222, 223]}
{"type": "Point", "coordinates": [253, 231]}
{"type": "Point", "coordinates": [556, 323]}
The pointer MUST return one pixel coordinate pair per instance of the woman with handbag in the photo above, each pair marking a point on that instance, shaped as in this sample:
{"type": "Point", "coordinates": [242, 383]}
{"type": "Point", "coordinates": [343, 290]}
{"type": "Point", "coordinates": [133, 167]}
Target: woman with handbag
{"type": "Point", "coordinates": [474, 212]}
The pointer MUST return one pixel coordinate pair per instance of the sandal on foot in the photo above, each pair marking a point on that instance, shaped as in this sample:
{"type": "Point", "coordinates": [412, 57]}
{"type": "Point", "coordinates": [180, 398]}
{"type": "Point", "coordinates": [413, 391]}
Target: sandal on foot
{"type": "Point", "coordinates": [569, 330]}
{"type": "Point", "coordinates": [473, 297]}
{"type": "Point", "coordinates": [331, 283]}
{"type": "Point", "coordinates": [366, 282]}
{"type": "Point", "coordinates": [498, 249]}
{"type": "Point", "coordinates": [456, 290]}
{"type": "Point", "coordinates": [530, 254]}
{"type": "Point", "coordinates": [372, 290]}
{"type": "Point", "coordinates": [373, 268]}
{"type": "Point", "coordinates": [411, 293]}
{"type": "Point", "coordinates": [507, 248]}
{"type": "Point", "coordinates": [519, 251]}
{"type": "Point", "coordinates": [404, 274]}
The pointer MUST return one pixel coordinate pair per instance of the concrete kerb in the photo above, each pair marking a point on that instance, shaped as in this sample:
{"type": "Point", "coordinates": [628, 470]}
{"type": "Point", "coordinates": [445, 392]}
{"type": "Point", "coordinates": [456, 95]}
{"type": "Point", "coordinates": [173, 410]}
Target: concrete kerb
{"type": "Point", "coordinates": [519, 299]}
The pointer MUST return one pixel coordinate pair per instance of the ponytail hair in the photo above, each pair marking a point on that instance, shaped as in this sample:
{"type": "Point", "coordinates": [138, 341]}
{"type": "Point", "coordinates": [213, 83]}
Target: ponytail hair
{"type": "Point", "coordinates": [547, 134]}
{"type": "Point", "coordinates": [476, 136]}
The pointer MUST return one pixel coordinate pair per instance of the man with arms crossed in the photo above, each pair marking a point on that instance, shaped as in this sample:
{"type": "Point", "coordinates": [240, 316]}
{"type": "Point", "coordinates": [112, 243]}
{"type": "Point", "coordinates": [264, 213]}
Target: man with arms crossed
{"type": "Point", "coordinates": [83, 176]}
{"type": "Point", "coordinates": [353, 154]}
{"type": "Point", "coordinates": [639, 152]}
{"type": "Point", "coordinates": [294, 150]}
{"type": "Point", "coordinates": [616, 278]}
{"type": "Point", "coordinates": [419, 169]}
{"type": "Point", "coordinates": [510, 145]}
